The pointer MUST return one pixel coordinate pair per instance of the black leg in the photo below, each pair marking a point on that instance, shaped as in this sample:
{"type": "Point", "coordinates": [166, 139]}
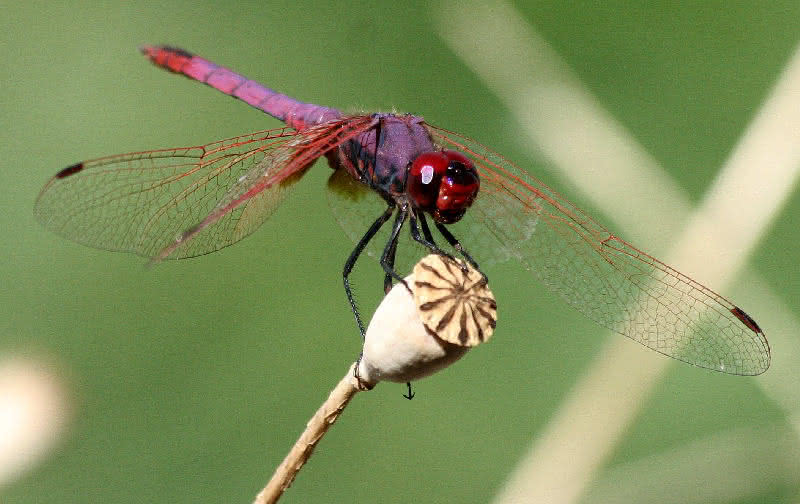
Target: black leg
{"type": "Point", "coordinates": [426, 231]}
{"type": "Point", "coordinates": [351, 261]}
{"type": "Point", "coordinates": [410, 394]}
{"type": "Point", "coordinates": [426, 239]}
{"type": "Point", "coordinates": [387, 279]}
{"type": "Point", "coordinates": [421, 222]}
{"type": "Point", "coordinates": [387, 258]}
{"type": "Point", "coordinates": [457, 245]}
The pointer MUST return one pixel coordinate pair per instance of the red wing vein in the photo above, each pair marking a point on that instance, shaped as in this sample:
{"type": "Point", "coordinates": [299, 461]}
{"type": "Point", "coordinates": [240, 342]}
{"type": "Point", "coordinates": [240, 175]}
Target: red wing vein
{"type": "Point", "coordinates": [610, 281]}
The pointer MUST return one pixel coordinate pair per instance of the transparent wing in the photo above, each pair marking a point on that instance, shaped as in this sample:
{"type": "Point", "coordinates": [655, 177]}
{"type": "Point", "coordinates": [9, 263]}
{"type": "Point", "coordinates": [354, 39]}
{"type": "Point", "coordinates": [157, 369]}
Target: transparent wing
{"type": "Point", "coordinates": [184, 202]}
{"type": "Point", "coordinates": [604, 277]}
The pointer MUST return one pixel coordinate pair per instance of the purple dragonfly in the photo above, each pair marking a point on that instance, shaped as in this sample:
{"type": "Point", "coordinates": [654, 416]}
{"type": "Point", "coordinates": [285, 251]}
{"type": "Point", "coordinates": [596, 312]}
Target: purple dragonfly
{"type": "Point", "coordinates": [190, 201]}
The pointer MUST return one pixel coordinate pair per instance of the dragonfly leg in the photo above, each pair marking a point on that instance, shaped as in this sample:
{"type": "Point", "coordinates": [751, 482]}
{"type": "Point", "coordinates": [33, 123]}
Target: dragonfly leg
{"type": "Point", "coordinates": [387, 279]}
{"type": "Point", "coordinates": [387, 262]}
{"type": "Point", "coordinates": [453, 241]}
{"type": "Point", "coordinates": [351, 261]}
{"type": "Point", "coordinates": [426, 231]}
{"type": "Point", "coordinates": [418, 222]}
{"type": "Point", "coordinates": [388, 256]}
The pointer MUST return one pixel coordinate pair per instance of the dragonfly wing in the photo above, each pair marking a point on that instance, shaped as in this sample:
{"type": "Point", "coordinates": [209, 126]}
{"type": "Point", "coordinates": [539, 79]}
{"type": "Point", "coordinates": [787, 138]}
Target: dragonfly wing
{"type": "Point", "coordinates": [140, 202]}
{"type": "Point", "coordinates": [182, 202]}
{"type": "Point", "coordinates": [607, 279]}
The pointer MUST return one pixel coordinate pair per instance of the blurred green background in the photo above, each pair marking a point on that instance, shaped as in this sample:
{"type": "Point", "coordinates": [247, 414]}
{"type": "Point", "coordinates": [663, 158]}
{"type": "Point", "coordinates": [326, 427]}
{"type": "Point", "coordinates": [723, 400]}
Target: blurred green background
{"type": "Point", "coordinates": [189, 382]}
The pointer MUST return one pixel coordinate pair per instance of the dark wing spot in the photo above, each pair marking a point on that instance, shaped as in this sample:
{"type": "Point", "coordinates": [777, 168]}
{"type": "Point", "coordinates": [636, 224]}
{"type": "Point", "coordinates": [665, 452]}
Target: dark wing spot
{"type": "Point", "coordinates": [70, 170]}
{"type": "Point", "coordinates": [746, 319]}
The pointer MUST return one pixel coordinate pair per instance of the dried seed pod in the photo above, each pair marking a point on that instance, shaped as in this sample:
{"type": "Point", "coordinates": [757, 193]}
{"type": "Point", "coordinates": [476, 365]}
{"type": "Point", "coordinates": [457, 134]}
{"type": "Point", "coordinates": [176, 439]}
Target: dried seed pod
{"type": "Point", "coordinates": [454, 300]}
{"type": "Point", "coordinates": [399, 347]}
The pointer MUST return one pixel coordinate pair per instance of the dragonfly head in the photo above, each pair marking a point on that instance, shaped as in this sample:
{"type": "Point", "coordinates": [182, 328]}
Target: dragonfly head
{"type": "Point", "coordinates": [443, 183]}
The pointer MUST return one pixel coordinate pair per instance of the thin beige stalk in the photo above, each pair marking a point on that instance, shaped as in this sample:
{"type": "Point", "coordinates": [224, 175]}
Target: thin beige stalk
{"type": "Point", "coordinates": [319, 424]}
{"type": "Point", "coordinates": [454, 301]}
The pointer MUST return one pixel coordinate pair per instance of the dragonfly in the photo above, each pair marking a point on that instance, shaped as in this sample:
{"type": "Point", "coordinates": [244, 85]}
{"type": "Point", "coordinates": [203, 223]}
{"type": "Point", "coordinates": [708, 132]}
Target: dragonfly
{"type": "Point", "coordinates": [190, 201]}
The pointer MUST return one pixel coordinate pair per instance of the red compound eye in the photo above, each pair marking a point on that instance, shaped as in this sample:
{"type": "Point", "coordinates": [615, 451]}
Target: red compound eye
{"type": "Point", "coordinates": [443, 183]}
{"type": "Point", "coordinates": [424, 178]}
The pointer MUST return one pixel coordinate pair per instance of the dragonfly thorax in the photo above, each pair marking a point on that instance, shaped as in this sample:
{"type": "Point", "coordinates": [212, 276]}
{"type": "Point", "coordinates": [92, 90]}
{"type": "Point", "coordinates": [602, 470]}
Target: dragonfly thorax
{"type": "Point", "coordinates": [442, 183]}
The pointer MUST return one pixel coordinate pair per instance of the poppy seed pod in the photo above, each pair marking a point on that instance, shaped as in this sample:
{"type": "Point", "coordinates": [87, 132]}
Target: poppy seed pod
{"type": "Point", "coordinates": [415, 334]}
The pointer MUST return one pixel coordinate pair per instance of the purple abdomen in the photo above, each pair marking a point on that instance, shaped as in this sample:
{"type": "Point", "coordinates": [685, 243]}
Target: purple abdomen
{"type": "Point", "coordinates": [402, 137]}
{"type": "Point", "coordinates": [295, 114]}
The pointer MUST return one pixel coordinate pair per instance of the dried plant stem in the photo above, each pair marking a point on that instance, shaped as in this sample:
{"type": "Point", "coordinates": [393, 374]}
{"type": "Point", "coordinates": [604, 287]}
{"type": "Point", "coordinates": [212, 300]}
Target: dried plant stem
{"type": "Point", "coordinates": [319, 424]}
